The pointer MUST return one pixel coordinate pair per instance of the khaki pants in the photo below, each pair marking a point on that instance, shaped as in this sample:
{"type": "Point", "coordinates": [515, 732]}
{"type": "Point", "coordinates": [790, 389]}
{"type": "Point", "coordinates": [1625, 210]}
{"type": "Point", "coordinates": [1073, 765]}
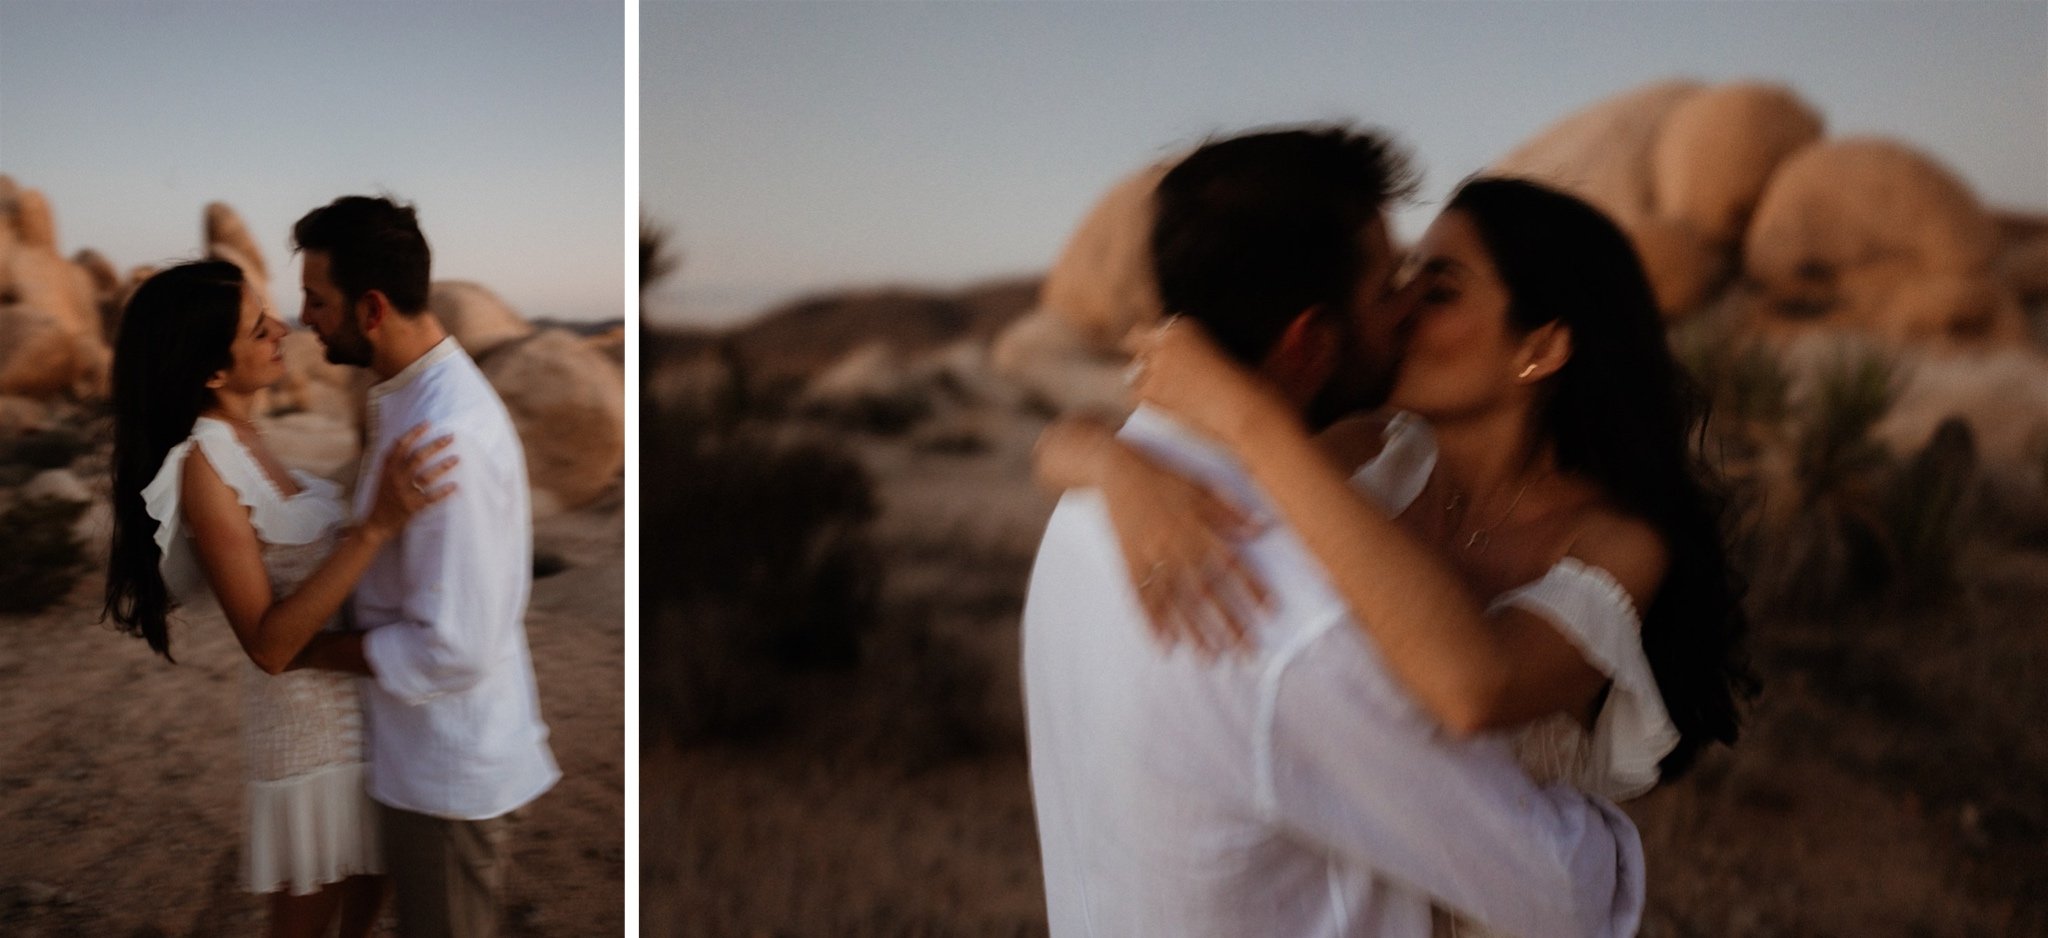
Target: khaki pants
{"type": "Point", "coordinates": [449, 875]}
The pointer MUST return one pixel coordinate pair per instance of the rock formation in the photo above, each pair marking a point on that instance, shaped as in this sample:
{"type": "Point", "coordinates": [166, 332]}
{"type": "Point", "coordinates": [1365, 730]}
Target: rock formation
{"type": "Point", "coordinates": [1602, 153]}
{"type": "Point", "coordinates": [475, 316]}
{"type": "Point", "coordinates": [569, 403]}
{"type": "Point", "coordinates": [1872, 235]}
{"type": "Point", "coordinates": [50, 334]}
{"type": "Point", "coordinates": [1718, 149]}
{"type": "Point", "coordinates": [1677, 165]}
{"type": "Point", "coordinates": [1102, 285]}
{"type": "Point", "coordinates": [228, 239]}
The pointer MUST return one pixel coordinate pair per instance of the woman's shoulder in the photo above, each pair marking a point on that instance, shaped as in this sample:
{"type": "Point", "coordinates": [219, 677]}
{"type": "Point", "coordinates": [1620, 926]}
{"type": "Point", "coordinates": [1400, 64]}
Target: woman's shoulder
{"type": "Point", "coordinates": [228, 476]}
{"type": "Point", "coordinates": [1624, 546]}
{"type": "Point", "coordinates": [222, 462]}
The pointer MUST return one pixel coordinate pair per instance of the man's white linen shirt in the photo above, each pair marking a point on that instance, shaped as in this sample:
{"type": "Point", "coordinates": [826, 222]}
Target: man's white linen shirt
{"type": "Point", "coordinates": [1293, 792]}
{"type": "Point", "coordinates": [452, 712]}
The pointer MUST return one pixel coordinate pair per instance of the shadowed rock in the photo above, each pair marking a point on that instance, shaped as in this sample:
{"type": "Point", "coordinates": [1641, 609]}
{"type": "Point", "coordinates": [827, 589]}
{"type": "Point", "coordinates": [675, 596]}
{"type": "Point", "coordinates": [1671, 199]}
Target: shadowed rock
{"type": "Point", "coordinates": [568, 402]}
{"type": "Point", "coordinates": [1679, 166]}
{"type": "Point", "coordinates": [1103, 284]}
{"type": "Point", "coordinates": [228, 239]}
{"type": "Point", "coordinates": [475, 316]}
{"type": "Point", "coordinates": [1872, 235]}
{"type": "Point", "coordinates": [50, 335]}
{"type": "Point", "coordinates": [1602, 153]}
{"type": "Point", "coordinates": [1065, 349]}
{"type": "Point", "coordinates": [1718, 150]}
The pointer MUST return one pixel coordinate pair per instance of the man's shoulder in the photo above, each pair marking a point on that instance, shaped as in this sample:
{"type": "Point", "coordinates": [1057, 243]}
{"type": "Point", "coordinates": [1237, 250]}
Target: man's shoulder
{"type": "Point", "coordinates": [457, 391]}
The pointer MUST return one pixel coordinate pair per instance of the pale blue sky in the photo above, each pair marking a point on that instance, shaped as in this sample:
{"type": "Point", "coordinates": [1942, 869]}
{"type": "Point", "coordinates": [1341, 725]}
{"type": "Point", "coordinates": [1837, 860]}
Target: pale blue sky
{"type": "Point", "coordinates": [503, 122]}
{"type": "Point", "coordinates": [803, 145]}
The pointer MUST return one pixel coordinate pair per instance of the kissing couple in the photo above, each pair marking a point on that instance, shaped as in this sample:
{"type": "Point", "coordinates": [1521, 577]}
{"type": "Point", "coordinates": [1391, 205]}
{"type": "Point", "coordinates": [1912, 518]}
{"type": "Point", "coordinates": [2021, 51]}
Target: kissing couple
{"type": "Point", "coordinates": [1401, 572]}
{"type": "Point", "coordinates": [390, 719]}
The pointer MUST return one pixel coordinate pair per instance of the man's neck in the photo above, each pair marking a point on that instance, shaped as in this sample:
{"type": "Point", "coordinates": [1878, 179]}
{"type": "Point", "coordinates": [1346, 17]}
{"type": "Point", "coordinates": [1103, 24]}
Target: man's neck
{"type": "Point", "coordinates": [405, 340]}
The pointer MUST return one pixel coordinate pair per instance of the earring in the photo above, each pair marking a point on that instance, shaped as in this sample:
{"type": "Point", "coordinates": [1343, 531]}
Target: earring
{"type": "Point", "coordinates": [1530, 369]}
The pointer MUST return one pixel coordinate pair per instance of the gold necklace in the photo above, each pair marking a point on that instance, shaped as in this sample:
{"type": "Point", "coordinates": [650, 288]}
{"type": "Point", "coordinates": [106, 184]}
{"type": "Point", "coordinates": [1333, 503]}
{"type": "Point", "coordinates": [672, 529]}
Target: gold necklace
{"type": "Point", "coordinates": [1480, 537]}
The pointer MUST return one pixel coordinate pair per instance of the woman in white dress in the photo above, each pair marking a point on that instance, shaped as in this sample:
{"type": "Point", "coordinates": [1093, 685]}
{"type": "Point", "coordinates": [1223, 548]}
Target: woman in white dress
{"type": "Point", "coordinates": [200, 502]}
{"type": "Point", "coordinates": [1524, 532]}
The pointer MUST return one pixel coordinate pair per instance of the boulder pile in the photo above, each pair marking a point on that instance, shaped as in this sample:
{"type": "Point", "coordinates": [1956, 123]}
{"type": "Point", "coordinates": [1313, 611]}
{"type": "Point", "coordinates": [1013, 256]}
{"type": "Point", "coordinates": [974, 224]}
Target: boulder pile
{"type": "Point", "coordinates": [53, 345]}
{"type": "Point", "coordinates": [58, 317]}
{"type": "Point", "coordinates": [1734, 197]}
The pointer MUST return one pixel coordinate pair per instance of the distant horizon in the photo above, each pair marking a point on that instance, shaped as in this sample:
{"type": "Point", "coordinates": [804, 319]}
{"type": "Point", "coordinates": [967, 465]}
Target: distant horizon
{"type": "Point", "coordinates": [799, 148]}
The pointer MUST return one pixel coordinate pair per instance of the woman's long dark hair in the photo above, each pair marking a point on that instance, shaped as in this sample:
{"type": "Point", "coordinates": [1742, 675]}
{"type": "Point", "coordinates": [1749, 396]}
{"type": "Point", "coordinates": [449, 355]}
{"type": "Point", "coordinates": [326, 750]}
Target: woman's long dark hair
{"type": "Point", "coordinates": [1622, 413]}
{"type": "Point", "coordinates": [175, 333]}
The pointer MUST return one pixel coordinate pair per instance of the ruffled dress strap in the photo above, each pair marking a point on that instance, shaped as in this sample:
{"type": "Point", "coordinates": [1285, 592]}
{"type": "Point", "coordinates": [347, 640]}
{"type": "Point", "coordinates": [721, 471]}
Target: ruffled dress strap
{"type": "Point", "coordinates": [277, 519]}
{"type": "Point", "coordinates": [1395, 478]}
{"type": "Point", "coordinates": [1633, 731]}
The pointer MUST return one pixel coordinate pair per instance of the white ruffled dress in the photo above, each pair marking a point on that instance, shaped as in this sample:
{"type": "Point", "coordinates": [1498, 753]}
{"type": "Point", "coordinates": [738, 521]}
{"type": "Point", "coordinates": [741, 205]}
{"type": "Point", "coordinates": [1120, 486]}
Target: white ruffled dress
{"type": "Point", "coordinates": [309, 821]}
{"type": "Point", "coordinates": [1618, 758]}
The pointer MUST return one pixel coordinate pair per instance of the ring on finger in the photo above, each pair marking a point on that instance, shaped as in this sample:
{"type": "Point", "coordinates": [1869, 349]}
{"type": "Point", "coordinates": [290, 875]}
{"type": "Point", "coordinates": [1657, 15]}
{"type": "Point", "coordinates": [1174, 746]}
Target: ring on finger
{"type": "Point", "coordinates": [1152, 575]}
{"type": "Point", "coordinates": [417, 487]}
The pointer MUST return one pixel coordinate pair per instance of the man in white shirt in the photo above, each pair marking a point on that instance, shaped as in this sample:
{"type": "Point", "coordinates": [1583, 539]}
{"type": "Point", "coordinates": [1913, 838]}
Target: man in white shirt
{"type": "Point", "coordinates": [452, 716]}
{"type": "Point", "coordinates": [1296, 791]}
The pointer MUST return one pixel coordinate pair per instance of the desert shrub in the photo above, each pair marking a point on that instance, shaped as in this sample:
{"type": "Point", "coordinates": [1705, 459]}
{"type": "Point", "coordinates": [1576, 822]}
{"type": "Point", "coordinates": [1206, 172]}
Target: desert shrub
{"type": "Point", "coordinates": [54, 448]}
{"type": "Point", "coordinates": [952, 441]}
{"type": "Point", "coordinates": [40, 559]}
{"type": "Point", "coordinates": [885, 415]}
{"type": "Point", "coordinates": [1926, 510]}
{"type": "Point", "coordinates": [755, 560]}
{"type": "Point", "coordinates": [658, 255]}
{"type": "Point", "coordinates": [935, 696]}
{"type": "Point", "coordinates": [1810, 490]}
{"type": "Point", "coordinates": [1837, 452]}
{"type": "Point", "coordinates": [1826, 517]}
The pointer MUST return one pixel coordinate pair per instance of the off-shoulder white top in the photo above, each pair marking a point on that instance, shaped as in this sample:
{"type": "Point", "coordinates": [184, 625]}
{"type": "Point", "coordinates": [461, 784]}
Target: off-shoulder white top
{"type": "Point", "coordinates": [279, 519]}
{"type": "Point", "coordinates": [1632, 732]}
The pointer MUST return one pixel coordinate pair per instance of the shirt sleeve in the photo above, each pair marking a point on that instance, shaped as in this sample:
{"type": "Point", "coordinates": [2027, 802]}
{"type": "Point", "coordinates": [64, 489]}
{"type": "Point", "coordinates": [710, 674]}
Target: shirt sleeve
{"type": "Point", "coordinates": [458, 597]}
{"type": "Point", "coordinates": [1348, 766]}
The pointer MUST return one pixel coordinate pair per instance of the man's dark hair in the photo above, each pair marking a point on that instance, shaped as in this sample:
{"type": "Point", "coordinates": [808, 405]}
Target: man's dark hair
{"type": "Point", "coordinates": [371, 244]}
{"type": "Point", "coordinates": [1251, 230]}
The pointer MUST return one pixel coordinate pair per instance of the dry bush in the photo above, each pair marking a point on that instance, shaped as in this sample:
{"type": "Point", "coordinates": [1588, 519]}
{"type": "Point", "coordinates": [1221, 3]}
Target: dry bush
{"type": "Point", "coordinates": [40, 558]}
{"type": "Point", "coordinates": [876, 414]}
{"type": "Point", "coordinates": [25, 454]}
{"type": "Point", "coordinates": [1826, 518]}
{"type": "Point", "coordinates": [755, 561]}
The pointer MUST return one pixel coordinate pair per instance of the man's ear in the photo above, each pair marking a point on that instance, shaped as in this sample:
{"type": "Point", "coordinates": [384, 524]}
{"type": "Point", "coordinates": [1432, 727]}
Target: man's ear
{"type": "Point", "coordinates": [218, 380]}
{"type": "Point", "coordinates": [1544, 351]}
{"type": "Point", "coordinates": [373, 306]}
{"type": "Point", "coordinates": [1305, 356]}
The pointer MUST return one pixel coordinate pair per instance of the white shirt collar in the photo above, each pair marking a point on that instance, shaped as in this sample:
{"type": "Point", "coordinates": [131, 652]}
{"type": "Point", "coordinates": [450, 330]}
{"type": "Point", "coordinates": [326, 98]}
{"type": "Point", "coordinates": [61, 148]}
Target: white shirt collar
{"type": "Point", "coordinates": [1195, 454]}
{"type": "Point", "coordinates": [442, 351]}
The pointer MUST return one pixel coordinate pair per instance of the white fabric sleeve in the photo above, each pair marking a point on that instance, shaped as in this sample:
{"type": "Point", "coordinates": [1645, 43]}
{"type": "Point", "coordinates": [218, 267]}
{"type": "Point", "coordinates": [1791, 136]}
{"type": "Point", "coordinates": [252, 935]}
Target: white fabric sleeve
{"type": "Point", "coordinates": [275, 521]}
{"type": "Point", "coordinates": [1371, 780]}
{"type": "Point", "coordinates": [1407, 456]}
{"type": "Point", "coordinates": [1633, 731]}
{"type": "Point", "coordinates": [453, 623]}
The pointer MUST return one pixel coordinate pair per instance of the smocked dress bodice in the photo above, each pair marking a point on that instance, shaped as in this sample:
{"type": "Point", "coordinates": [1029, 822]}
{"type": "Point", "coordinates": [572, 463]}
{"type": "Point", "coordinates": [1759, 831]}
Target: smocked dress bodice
{"type": "Point", "coordinates": [309, 822]}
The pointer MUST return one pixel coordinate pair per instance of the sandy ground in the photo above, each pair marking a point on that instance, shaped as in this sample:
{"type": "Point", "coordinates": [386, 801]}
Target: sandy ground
{"type": "Point", "coordinates": [1894, 779]}
{"type": "Point", "coordinates": [120, 774]}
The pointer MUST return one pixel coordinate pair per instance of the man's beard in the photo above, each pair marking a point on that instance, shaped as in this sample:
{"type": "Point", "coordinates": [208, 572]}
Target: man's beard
{"type": "Point", "coordinates": [348, 345]}
{"type": "Point", "coordinates": [1361, 384]}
